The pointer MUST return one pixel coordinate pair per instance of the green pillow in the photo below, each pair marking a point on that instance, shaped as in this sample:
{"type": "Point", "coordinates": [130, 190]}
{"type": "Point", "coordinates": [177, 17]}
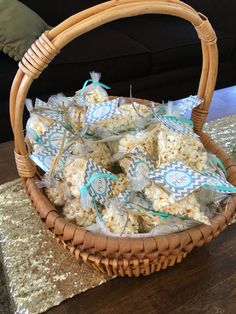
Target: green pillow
{"type": "Point", "coordinates": [19, 28]}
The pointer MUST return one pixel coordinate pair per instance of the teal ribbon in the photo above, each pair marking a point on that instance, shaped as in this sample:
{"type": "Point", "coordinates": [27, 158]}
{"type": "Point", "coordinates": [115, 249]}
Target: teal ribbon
{"type": "Point", "coordinates": [162, 215]}
{"type": "Point", "coordinates": [161, 110]}
{"type": "Point", "coordinates": [95, 83]}
{"type": "Point", "coordinates": [221, 188]}
{"type": "Point", "coordinates": [68, 127]}
{"type": "Point", "coordinates": [181, 119]}
{"type": "Point", "coordinates": [37, 138]}
{"type": "Point", "coordinates": [95, 176]}
{"type": "Point", "coordinates": [90, 136]}
{"type": "Point", "coordinates": [220, 163]}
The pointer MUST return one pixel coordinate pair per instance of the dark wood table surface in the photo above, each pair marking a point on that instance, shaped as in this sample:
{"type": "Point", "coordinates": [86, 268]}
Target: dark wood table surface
{"type": "Point", "coordinates": [205, 281]}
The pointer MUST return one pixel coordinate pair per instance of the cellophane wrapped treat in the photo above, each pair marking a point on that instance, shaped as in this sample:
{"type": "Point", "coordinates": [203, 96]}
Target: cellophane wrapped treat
{"type": "Point", "coordinates": [188, 207]}
{"type": "Point", "coordinates": [131, 116]}
{"type": "Point", "coordinates": [74, 172]}
{"type": "Point", "coordinates": [36, 125]}
{"type": "Point", "coordinates": [124, 168]}
{"type": "Point", "coordinates": [57, 191]}
{"type": "Point", "coordinates": [172, 146]}
{"type": "Point", "coordinates": [94, 92]}
{"type": "Point", "coordinates": [120, 221]}
{"type": "Point", "coordinates": [82, 216]}
{"type": "Point", "coordinates": [145, 139]}
{"type": "Point", "coordinates": [99, 152]}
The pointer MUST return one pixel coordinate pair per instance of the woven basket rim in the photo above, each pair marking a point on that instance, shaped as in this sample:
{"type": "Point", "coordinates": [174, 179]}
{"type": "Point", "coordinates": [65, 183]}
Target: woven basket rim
{"type": "Point", "coordinates": [93, 242]}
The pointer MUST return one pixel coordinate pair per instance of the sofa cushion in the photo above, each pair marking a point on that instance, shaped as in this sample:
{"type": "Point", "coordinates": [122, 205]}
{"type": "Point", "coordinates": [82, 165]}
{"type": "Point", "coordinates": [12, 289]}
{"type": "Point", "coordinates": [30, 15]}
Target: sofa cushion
{"type": "Point", "coordinates": [19, 28]}
{"type": "Point", "coordinates": [173, 43]}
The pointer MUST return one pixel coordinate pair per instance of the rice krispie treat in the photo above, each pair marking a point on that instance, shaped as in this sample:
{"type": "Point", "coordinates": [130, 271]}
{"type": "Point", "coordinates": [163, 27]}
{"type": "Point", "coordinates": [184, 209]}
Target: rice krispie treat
{"type": "Point", "coordinates": [84, 217]}
{"type": "Point", "coordinates": [119, 187]}
{"type": "Point", "coordinates": [130, 117]}
{"type": "Point", "coordinates": [146, 140]}
{"type": "Point", "coordinates": [99, 152]}
{"type": "Point", "coordinates": [74, 174]}
{"type": "Point", "coordinates": [188, 207]}
{"type": "Point", "coordinates": [35, 127]}
{"type": "Point", "coordinates": [174, 146]}
{"type": "Point", "coordinates": [120, 221]}
{"type": "Point", "coordinates": [94, 93]}
{"type": "Point", "coordinates": [148, 221]}
{"type": "Point", "coordinates": [58, 193]}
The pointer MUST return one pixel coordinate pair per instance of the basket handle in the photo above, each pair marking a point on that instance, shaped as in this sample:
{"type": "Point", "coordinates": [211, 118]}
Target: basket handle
{"type": "Point", "coordinates": [42, 52]}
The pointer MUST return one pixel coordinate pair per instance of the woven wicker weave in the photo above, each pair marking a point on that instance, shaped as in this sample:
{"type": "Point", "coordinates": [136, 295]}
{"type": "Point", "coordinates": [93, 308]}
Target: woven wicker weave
{"type": "Point", "coordinates": [126, 256]}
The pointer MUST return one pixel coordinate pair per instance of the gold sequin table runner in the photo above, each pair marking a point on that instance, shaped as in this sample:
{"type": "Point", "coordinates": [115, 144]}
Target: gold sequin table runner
{"type": "Point", "coordinates": [39, 272]}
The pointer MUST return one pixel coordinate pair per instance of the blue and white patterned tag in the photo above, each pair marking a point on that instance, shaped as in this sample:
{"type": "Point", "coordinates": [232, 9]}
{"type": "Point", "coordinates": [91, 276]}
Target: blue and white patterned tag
{"type": "Point", "coordinates": [52, 138]}
{"type": "Point", "coordinates": [140, 165]}
{"type": "Point", "coordinates": [80, 101]}
{"type": "Point", "coordinates": [176, 126]}
{"type": "Point", "coordinates": [187, 104]}
{"type": "Point", "coordinates": [102, 111]}
{"type": "Point", "coordinates": [45, 160]}
{"type": "Point", "coordinates": [124, 196]}
{"type": "Point", "coordinates": [53, 112]}
{"type": "Point", "coordinates": [218, 183]}
{"type": "Point", "coordinates": [98, 182]}
{"type": "Point", "coordinates": [178, 178]}
{"type": "Point", "coordinates": [51, 141]}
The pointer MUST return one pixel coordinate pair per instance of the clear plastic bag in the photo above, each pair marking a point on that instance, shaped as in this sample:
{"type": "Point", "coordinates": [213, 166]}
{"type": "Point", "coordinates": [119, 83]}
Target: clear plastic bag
{"type": "Point", "coordinates": [94, 92]}
{"type": "Point", "coordinates": [145, 139]}
{"type": "Point", "coordinates": [121, 220]}
{"type": "Point", "coordinates": [57, 191]}
{"type": "Point", "coordinates": [36, 126]}
{"type": "Point", "coordinates": [73, 211]}
{"type": "Point", "coordinates": [99, 152]}
{"type": "Point", "coordinates": [175, 146]}
{"type": "Point", "coordinates": [132, 117]}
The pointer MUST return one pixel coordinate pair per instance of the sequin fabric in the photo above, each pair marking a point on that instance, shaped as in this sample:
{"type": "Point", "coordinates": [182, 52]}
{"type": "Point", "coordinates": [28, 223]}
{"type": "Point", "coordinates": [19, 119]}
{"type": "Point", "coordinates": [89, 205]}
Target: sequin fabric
{"type": "Point", "coordinates": [39, 272]}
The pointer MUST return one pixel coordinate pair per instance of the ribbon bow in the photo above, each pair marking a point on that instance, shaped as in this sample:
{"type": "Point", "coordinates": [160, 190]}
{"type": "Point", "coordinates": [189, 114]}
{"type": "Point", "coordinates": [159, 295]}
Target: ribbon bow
{"type": "Point", "coordinates": [95, 83]}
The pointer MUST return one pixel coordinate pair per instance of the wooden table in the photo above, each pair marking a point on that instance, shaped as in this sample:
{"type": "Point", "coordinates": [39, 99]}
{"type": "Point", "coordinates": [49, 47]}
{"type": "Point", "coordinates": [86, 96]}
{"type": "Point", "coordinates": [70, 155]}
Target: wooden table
{"type": "Point", "coordinates": [205, 282]}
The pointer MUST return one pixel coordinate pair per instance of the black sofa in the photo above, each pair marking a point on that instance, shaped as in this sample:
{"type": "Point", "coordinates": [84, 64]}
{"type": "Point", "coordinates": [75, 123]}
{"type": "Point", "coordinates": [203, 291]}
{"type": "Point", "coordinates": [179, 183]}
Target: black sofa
{"type": "Point", "coordinates": [159, 55]}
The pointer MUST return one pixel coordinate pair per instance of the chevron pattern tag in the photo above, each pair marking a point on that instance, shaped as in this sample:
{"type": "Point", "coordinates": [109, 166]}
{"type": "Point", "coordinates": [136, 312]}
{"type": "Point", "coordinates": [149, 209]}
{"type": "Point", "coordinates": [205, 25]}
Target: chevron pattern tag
{"type": "Point", "coordinates": [187, 104]}
{"type": "Point", "coordinates": [219, 184]}
{"type": "Point", "coordinates": [140, 164]}
{"type": "Point", "coordinates": [178, 178]}
{"type": "Point", "coordinates": [102, 111]}
{"type": "Point", "coordinates": [175, 126]}
{"type": "Point", "coordinates": [80, 101]}
{"type": "Point", "coordinates": [45, 160]}
{"type": "Point", "coordinates": [101, 187]}
{"type": "Point", "coordinates": [124, 196]}
{"type": "Point", "coordinates": [52, 138]}
{"type": "Point", "coordinates": [51, 111]}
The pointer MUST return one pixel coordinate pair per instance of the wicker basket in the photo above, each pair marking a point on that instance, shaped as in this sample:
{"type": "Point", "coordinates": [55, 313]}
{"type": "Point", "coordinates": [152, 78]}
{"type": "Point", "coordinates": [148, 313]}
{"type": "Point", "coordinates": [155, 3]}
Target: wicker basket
{"type": "Point", "coordinates": [119, 256]}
